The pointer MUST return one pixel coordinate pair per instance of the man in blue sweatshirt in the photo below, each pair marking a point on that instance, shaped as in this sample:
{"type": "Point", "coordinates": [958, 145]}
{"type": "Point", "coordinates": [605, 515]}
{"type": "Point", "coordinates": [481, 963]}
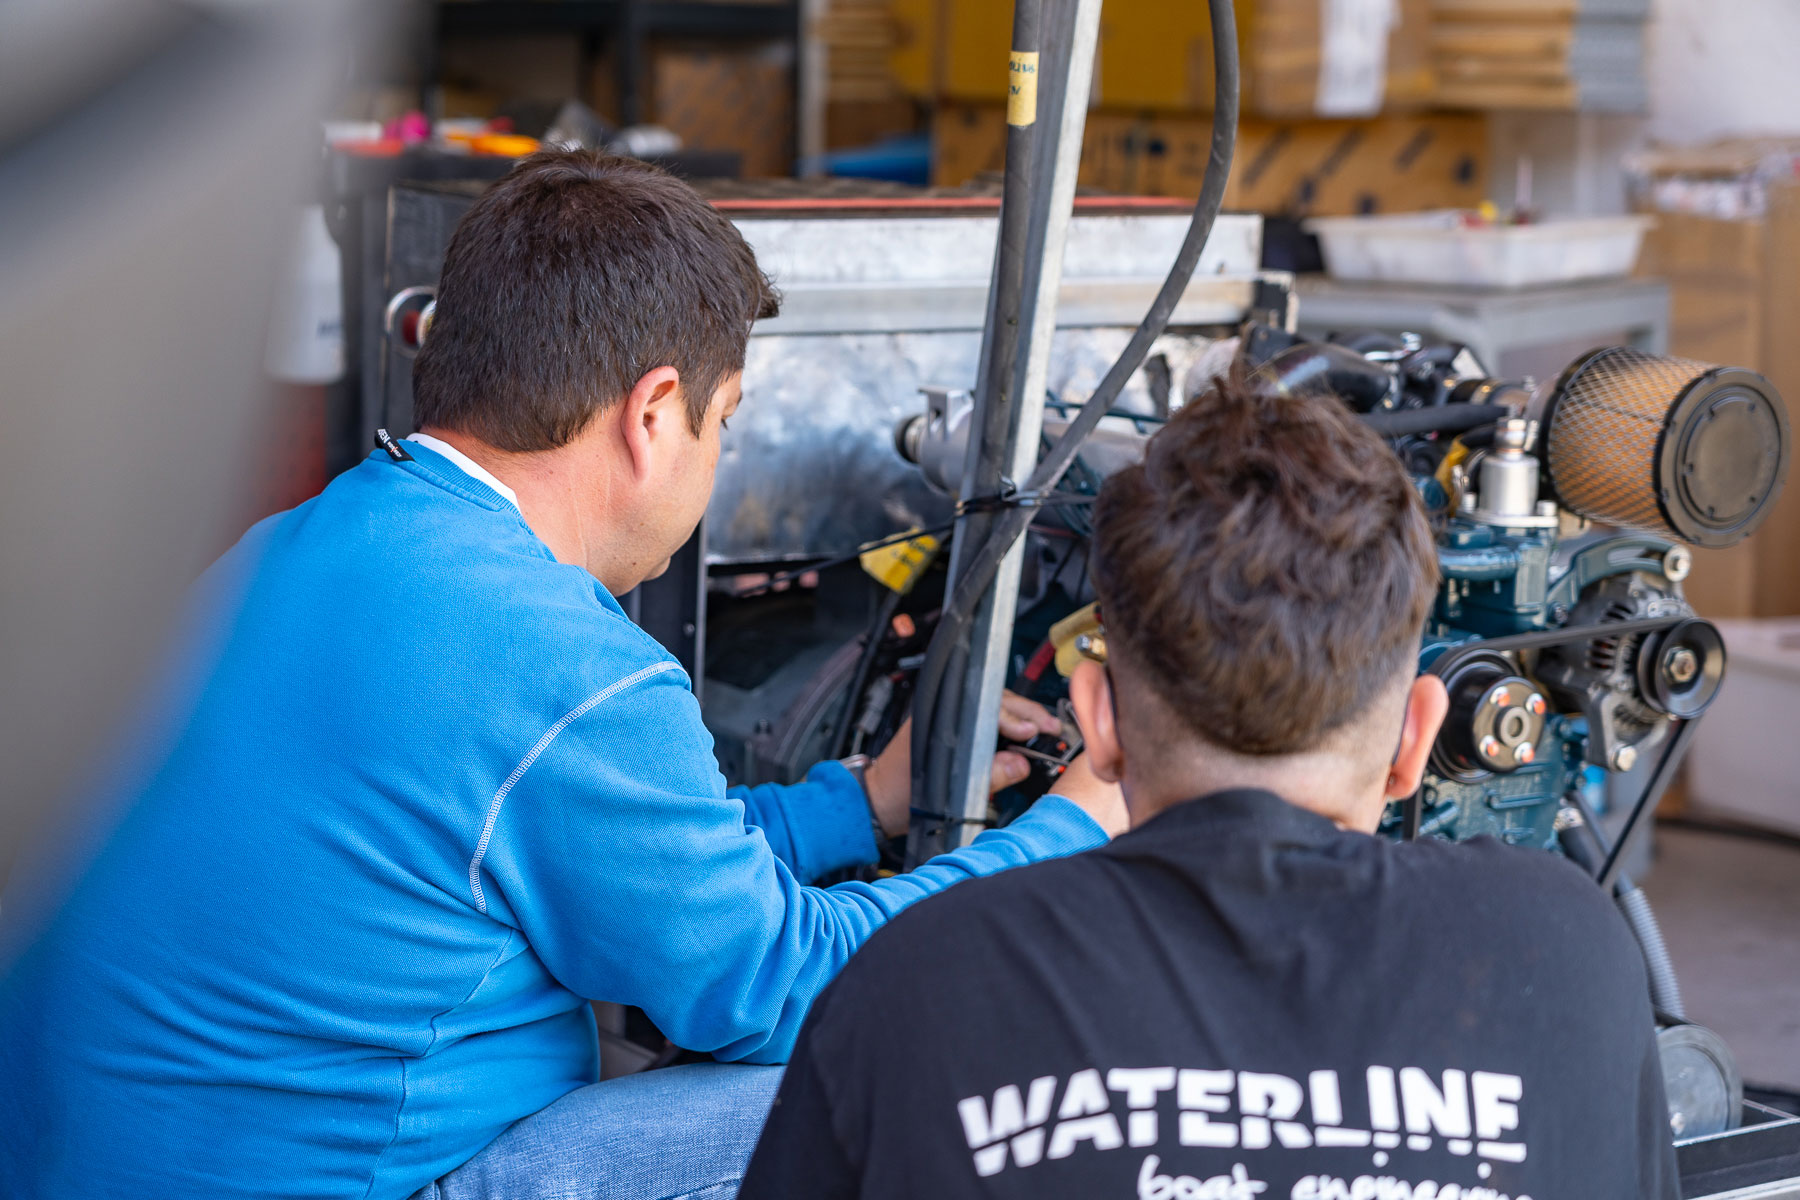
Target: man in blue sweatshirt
{"type": "Point", "coordinates": [421, 791]}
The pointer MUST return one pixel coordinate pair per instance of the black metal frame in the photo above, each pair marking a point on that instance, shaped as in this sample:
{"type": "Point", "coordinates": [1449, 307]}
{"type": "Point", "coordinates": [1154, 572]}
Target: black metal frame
{"type": "Point", "coordinates": [1756, 1154]}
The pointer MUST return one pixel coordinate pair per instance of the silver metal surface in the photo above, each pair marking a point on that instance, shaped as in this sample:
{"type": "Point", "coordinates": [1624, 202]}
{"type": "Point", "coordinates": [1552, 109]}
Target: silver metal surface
{"type": "Point", "coordinates": [881, 308]}
{"type": "Point", "coordinates": [1491, 322]}
{"type": "Point", "coordinates": [1509, 481]}
{"type": "Point", "coordinates": [1677, 563]}
{"type": "Point", "coordinates": [407, 347]}
{"type": "Point", "coordinates": [990, 638]}
{"type": "Point", "coordinates": [809, 468]}
{"type": "Point", "coordinates": [921, 274]}
{"type": "Point", "coordinates": [937, 440]}
{"type": "Point", "coordinates": [1509, 484]}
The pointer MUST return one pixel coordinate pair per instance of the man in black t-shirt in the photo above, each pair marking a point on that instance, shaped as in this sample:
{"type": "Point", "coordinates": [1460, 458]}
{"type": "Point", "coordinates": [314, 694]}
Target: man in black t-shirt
{"type": "Point", "coordinates": [1248, 995]}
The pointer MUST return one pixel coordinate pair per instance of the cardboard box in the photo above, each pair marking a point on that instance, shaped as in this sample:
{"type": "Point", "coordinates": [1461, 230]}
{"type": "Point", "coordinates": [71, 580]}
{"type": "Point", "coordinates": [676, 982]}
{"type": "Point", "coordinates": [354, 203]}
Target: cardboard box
{"type": "Point", "coordinates": [1528, 54]}
{"type": "Point", "coordinates": [1157, 55]}
{"type": "Point", "coordinates": [728, 96]}
{"type": "Point", "coordinates": [852, 123]}
{"type": "Point", "coordinates": [858, 39]}
{"type": "Point", "coordinates": [1733, 301]}
{"type": "Point", "coordinates": [1303, 168]}
{"type": "Point", "coordinates": [969, 140]}
{"type": "Point", "coordinates": [1295, 67]}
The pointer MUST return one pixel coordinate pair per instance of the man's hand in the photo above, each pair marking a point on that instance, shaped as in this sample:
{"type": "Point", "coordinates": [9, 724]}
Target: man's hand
{"type": "Point", "coordinates": [889, 778]}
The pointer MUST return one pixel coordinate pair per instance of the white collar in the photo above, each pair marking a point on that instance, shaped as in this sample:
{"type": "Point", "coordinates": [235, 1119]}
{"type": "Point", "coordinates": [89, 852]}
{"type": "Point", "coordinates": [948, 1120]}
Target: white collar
{"type": "Point", "coordinates": [469, 466]}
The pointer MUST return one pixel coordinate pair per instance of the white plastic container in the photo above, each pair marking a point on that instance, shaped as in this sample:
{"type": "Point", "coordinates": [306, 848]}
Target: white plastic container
{"type": "Point", "coordinates": [1436, 248]}
{"type": "Point", "coordinates": [306, 321]}
{"type": "Point", "coordinates": [1745, 761]}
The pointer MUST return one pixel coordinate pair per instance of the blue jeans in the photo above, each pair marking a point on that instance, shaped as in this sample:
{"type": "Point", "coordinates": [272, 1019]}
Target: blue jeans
{"type": "Point", "coordinates": [682, 1133]}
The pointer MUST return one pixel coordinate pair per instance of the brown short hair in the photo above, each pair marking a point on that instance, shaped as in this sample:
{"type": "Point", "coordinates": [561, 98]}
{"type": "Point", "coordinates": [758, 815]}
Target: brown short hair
{"type": "Point", "coordinates": [1266, 569]}
{"type": "Point", "coordinates": [567, 281]}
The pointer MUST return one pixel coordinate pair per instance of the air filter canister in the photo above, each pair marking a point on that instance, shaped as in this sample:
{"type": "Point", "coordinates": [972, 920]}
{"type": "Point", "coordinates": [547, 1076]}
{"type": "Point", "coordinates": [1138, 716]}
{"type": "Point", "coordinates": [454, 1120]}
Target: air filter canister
{"type": "Point", "coordinates": [1677, 447]}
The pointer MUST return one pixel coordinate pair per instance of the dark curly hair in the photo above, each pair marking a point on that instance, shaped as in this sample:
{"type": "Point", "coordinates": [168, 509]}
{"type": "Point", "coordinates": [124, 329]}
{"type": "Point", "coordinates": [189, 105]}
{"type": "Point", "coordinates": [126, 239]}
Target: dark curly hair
{"type": "Point", "coordinates": [1266, 569]}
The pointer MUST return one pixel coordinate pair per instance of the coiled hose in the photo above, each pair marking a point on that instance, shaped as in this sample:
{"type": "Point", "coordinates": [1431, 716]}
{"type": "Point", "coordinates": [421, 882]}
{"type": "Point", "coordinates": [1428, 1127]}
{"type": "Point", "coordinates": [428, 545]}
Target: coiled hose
{"type": "Point", "coordinates": [1665, 990]}
{"type": "Point", "coordinates": [1581, 843]}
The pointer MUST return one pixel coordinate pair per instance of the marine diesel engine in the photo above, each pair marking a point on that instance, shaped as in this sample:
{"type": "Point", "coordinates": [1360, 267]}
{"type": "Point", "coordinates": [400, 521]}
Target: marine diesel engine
{"type": "Point", "coordinates": [1564, 514]}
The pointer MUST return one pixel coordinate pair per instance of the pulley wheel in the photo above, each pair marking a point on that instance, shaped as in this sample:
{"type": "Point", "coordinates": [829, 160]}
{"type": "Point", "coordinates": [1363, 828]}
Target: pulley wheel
{"type": "Point", "coordinates": [1495, 723]}
{"type": "Point", "coordinates": [1680, 669]}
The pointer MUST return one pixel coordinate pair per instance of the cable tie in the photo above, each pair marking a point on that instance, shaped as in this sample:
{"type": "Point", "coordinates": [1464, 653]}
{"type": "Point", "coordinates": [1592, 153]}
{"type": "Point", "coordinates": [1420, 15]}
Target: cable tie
{"type": "Point", "coordinates": [1046, 499]}
{"type": "Point", "coordinates": [946, 819]}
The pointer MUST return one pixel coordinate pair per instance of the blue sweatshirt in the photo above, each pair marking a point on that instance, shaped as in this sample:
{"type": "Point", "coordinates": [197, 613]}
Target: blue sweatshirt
{"type": "Point", "coordinates": [433, 793]}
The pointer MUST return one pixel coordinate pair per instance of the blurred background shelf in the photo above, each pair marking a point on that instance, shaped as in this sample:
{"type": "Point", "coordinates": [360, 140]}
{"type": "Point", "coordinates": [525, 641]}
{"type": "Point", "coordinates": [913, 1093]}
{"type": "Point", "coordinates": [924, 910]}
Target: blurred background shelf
{"type": "Point", "coordinates": [616, 43]}
{"type": "Point", "coordinates": [646, 16]}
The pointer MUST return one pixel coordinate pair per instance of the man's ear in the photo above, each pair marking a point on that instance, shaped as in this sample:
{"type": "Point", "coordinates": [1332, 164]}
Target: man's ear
{"type": "Point", "coordinates": [1426, 704]}
{"type": "Point", "coordinates": [652, 410]}
{"type": "Point", "coordinates": [1091, 693]}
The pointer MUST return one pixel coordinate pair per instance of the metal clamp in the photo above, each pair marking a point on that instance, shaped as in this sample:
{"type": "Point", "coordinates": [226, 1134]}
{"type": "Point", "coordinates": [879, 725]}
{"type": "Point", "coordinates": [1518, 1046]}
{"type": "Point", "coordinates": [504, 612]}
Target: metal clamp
{"type": "Point", "coordinates": [404, 343]}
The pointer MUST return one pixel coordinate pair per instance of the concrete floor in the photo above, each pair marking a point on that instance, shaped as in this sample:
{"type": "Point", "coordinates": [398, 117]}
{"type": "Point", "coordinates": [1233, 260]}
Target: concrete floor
{"type": "Point", "coordinates": [1730, 912]}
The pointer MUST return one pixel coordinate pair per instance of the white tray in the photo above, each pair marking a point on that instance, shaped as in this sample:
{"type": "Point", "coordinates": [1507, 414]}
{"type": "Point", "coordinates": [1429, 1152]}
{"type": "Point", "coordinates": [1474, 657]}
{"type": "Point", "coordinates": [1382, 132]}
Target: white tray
{"type": "Point", "coordinates": [1435, 248]}
{"type": "Point", "coordinates": [1746, 755]}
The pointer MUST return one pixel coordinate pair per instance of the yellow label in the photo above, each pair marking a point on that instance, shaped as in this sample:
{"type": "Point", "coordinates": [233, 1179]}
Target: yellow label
{"type": "Point", "coordinates": [899, 566]}
{"type": "Point", "coordinates": [1021, 88]}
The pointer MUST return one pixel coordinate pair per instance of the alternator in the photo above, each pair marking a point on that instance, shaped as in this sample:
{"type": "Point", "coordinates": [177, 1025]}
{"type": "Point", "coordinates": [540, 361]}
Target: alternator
{"type": "Point", "coordinates": [1600, 677]}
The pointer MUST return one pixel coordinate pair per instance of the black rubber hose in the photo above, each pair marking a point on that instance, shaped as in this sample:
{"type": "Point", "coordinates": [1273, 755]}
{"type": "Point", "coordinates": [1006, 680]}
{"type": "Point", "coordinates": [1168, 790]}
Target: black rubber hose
{"type": "Point", "coordinates": [995, 405]}
{"type": "Point", "coordinates": [1665, 989]}
{"type": "Point", "coordinates": [1451, 418]}
{"type": "Point", "coordinates": [1582, 845]}
{"type": "Point", "coordinates": [1038, 26]}
{"type": "Point", "coordinates": [859, 678]}
{"type": "Point", "coordinates": [933, 753]}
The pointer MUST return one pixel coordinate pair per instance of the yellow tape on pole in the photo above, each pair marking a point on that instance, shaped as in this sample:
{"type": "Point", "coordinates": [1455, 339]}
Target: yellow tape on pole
{"type": "Point", "coordinates": [1021, 87]}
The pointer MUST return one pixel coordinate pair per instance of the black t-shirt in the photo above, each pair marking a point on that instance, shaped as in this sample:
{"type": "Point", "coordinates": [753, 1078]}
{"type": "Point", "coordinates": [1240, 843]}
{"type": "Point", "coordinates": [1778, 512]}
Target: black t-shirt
{"type": "Point", "coordinates": [1237, 1000]}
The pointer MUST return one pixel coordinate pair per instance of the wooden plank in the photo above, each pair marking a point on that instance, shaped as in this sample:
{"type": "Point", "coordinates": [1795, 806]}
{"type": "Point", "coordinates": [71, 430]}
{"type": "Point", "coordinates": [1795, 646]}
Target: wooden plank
{"type": "Point", "coordinates": [1505, 9]}
{"type": "Point", "coordinates": [1523, 72]}
{"type": "Point", "coordinates": [860, 91]}
{"type": "Point", "coordinates": [1561, 97]}
{"type": "Point", "coordinates": [1487, 39]}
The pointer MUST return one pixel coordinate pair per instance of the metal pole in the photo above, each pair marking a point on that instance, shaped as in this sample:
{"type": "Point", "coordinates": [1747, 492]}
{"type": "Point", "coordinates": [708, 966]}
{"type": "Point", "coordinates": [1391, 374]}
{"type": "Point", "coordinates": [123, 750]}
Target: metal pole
{"type": "Point", "coordinates": [984, 469]}
{"type": "Point", "coordinates": [1018, 352]}
{"type": "Point", "coordinates": [810, 72]}
{"type": "Point", "coordinates": [993, 400]}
